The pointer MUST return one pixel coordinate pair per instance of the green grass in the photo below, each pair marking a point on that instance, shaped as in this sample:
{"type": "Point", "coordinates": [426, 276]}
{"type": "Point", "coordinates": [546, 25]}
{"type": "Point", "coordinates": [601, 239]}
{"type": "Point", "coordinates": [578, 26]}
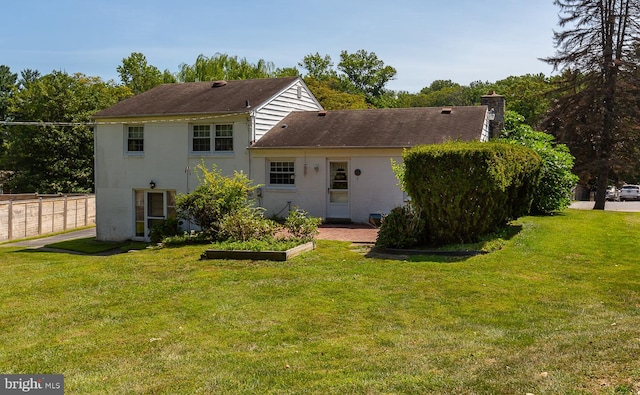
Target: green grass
{"type": "Point", "coordinates": [556, 310]}
{"type": "Point", "coordinates": [89, 245]}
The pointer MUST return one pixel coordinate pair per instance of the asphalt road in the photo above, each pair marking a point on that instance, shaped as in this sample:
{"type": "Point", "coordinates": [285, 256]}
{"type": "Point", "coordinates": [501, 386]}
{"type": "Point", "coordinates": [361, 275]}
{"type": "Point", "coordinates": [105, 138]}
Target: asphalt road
{"type": "Point", "coordinates": [609, 206]}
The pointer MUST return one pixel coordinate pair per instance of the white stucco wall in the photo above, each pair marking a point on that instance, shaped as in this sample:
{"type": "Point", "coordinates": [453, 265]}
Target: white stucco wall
{"type": "Point", "coordinates": [165, 161]}
{"type": "Point", "coordinates": [375, 190]}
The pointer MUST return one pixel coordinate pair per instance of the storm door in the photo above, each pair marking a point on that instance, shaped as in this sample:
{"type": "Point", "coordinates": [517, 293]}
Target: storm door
{"type": "Point", "coordinates": [338, 202]}
{"type": "Point", "coordinates": [152, 208]}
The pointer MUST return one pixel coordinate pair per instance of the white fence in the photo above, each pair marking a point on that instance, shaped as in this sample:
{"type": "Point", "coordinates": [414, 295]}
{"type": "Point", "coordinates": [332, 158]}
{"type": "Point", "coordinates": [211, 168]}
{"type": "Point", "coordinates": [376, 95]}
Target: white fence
{"type": "Point", "coordinates": [21, 218]}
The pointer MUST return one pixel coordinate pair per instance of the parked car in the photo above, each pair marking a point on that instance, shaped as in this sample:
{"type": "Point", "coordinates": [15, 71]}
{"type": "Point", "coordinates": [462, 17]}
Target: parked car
{"type": "Point", "coordinates": [613, 194]}
{"type": "Point", "coordinates": [630, 192]}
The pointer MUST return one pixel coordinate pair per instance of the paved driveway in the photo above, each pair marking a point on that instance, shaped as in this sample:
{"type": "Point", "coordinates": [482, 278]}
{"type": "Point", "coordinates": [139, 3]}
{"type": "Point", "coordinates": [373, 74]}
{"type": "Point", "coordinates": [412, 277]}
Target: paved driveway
{"type": "Point", "coordinates": [609, 206]}
{"type": "Point", "coordinates": [42, 241]}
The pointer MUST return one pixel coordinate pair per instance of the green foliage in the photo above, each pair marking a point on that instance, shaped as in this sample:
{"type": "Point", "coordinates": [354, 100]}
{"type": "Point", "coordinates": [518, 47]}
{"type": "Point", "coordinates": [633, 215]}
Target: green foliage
{"type": "Point", "coordinates": [301, 226]}
{"type": "Point", "coordinates": [365, 73]}
{"type": "Point", "coordinates": [403, 227]}
{"type": "Point", "coordinates": [553, 192]}
{"type": "Point", "coordinates": [171, 226]}
{"type": "Point", "coordinates": [527, 95]}
{"type": "Point", "coordinates": [318, 67]}
{"type": "Point", "coordinates": [398, 170]}
{"type": "Point", "coordinates": [53, 159]}
{"type": "Point", "coordinates": [215, 197]}
{"type": "Point", "coordinates": [331, 97]}
{"type": "Point", "coordinates": [247, 223]}
{"type": "Point", "coordinates": [137, 75]}
{"type": "Point", "coordinates": [467, 190]}
{"type": "Point", "coordinates": [224, 67]}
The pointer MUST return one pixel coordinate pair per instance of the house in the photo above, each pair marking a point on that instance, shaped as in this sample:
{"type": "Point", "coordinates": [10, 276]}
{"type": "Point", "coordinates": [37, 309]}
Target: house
{"type": "Point", "coordinates": [337, 164]}
{"type": "Point", "coordinates": [147, 146]}
{"type": "Point", "coordinates": [333, 164]}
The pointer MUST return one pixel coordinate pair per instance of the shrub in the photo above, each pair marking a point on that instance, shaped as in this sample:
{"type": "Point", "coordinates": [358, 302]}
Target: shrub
{"type": "Point", "coordinates": [403, 227]}
{"type": "Point", "coordinates": [301, 226]}
{"type": "Point", "coordinates": [215, 197]}
{"type": "Point", "coordinates": [466, 190]}
{"type": "Point", "coordinates": [169, 227]}
{"type": "Point", "coordinates": [553, 192]}
{"type": "Point", "coordinates": [247, 223]}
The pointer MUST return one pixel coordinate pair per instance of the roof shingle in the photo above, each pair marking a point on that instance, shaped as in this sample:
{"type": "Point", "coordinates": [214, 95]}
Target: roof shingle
{"type": "Point", "coordinates": [397, 127]}
{"type": "Point", "coordinates": [199, 98]}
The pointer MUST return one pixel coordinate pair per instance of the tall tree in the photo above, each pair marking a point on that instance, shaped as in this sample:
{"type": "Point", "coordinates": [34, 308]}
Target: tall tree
{"type": "Point", "coordinates": [365, 73]}
{"type": "Point", "coordinates": [318, 67]}
{"type": "Point", "coordinates": [224, 67]}
{"type": "Point", "coordinates": [56, 156]}
{"type": "Point", "coordinates": [8, 81]}
{"type": "Point", "coordinates": [595, 114]}
{"type": "Point", "coordinates": [139, 76]}
{"type": "Point", "coordinates": [528, 95]}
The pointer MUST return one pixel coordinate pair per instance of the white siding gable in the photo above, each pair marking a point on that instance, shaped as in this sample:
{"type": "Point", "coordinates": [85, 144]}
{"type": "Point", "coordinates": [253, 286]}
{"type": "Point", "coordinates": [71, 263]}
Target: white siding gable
{"type": "Point", "coordinates": [296, 97]}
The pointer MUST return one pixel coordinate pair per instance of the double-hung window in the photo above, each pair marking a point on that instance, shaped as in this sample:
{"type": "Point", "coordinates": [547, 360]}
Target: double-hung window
{"type": "Point", "coordinates": [135, 139]}
{"type": "Point", "coordinates": [201, 138]}
{"type": "Point", "coordinates": [282, 173]}
{"type": "Point", "coordinates": [212, 138]}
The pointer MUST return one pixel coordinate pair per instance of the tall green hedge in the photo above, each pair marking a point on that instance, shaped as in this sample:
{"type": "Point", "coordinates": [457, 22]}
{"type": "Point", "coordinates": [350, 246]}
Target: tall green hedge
{"type": "Point", "coordinates": [467, 189]}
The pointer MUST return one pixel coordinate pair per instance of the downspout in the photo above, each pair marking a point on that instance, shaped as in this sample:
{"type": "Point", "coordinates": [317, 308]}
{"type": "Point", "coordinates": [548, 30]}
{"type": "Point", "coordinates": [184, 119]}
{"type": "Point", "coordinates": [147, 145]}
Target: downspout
{"type": "Point", "coordinates": [251, 125]}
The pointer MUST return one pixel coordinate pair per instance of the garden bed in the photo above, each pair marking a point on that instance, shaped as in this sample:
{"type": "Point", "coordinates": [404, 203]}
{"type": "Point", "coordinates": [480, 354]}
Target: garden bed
{"type": "Point", "coordinates": [259, 255]}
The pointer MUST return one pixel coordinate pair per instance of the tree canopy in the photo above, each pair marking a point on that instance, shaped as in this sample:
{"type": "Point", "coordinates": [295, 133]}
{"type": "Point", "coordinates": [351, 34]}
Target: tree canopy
{"type": "Point", "coordinates": [597, 111]}
{"type": "Point", "coordinates": [55, 158]}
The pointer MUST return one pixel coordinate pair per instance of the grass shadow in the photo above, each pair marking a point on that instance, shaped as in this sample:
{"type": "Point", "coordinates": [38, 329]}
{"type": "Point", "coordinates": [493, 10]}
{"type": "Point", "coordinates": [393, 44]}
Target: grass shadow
{"type": "Point", "coordinates": [91, 246]}
{"type": "Point", "coordinates": [452, 252]}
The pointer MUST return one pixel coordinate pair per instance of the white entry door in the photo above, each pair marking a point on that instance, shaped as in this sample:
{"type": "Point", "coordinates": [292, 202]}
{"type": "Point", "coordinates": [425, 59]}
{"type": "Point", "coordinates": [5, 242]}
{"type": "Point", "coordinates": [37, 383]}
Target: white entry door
{"type": "Point", "coordinates": [338, 202]}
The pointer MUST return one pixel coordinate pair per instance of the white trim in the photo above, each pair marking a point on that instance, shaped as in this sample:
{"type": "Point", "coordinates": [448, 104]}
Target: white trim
{"type": "Point", "coordinates": [126, 140]}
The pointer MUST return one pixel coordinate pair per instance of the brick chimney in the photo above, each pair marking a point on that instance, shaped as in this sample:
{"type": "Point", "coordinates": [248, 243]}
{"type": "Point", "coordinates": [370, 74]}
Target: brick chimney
{"type": "Point", "coordinates": [496, 104]}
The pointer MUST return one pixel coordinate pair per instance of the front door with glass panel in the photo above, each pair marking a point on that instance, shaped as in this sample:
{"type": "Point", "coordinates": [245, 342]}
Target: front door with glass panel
{"type": "Point", "coordinates": [338, 202]}
{"type": "Point", "coordinates": [152, 208]}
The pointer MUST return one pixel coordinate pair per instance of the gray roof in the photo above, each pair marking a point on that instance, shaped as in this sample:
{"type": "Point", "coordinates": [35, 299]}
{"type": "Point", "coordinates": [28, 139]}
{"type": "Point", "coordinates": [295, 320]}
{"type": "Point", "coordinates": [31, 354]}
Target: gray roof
{"type": "Point", "coordinates": [397, 127]}
{"type": "Point", "coordinates": [220, 97]}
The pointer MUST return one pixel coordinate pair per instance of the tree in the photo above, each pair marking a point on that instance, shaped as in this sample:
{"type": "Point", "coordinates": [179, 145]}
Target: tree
{"type": "Point", "coordinates": [331, 98]}
{"type": "Point", "coordinates": [528, 95]}
{"type": "Point", "coordinates": [139, 76]}
{"type": "Point", "coordinates": [597, 113]}
{"type": "Point", "coordinates": [56, 157]}
{"type": "Point", "coordinates": [8, 82]}
{"type": "Point", "coordinates": [365, 73]}
{"type": "Point", "coordinates": [318, 67]}
{"type": "Point", "coordinates": [224, 67]}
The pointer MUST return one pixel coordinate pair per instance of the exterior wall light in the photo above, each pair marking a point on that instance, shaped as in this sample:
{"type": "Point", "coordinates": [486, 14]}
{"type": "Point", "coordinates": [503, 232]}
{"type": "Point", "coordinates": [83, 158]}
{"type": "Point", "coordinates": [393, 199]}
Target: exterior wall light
{"type": "Point", "coordinates": [152, 184]}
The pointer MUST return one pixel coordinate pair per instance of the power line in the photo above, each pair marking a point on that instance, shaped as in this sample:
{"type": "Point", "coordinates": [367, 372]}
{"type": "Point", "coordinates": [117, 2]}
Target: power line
{"type": "Point", "coordinates": [48, 123]}
{"type": "Point", "coordinates": [41, 123]}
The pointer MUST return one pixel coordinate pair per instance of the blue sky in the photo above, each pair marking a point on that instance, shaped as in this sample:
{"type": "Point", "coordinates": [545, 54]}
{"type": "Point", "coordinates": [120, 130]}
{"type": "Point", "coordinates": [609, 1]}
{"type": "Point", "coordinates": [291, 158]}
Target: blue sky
{"type": "Point", "coordinates": [425, 40]}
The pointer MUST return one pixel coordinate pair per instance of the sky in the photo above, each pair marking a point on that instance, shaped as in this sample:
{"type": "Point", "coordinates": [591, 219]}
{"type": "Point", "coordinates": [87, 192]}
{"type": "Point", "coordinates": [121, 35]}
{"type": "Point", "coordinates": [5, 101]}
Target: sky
{"type": "Point", "coordinates": [424, 40]}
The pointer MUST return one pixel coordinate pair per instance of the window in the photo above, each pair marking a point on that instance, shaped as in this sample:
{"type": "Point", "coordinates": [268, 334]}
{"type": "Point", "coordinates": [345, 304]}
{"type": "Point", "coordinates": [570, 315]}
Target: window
{"type": "Point", "coordinates": [282, 173]}
{"type": "Point", "coordinates": [224, 137]}
{"type": "Point", "coordinates": [135, 139]}
{"type": "Point", "coordinates": [203, 141]}
{"type": "Point", "coordinates": [201, 138]}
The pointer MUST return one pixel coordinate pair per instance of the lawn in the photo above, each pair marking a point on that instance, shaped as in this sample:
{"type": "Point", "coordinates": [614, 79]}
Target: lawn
{"type": "Point", "coordinates": [555, 311]}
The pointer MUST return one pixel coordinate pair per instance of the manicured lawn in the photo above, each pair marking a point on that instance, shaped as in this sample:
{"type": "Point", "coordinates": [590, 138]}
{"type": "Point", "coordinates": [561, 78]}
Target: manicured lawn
{"type": "Point", "coordinates": [556, 311]}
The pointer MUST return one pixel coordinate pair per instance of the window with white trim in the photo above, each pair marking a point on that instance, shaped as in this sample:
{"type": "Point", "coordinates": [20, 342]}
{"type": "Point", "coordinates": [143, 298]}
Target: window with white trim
{"type": "Point", "coordinates": [135, 139]}
{"type": "Point", "coordinates": [282, 173]}
{"type": "Point", "coordinates": [201, 138]}
{"type": "Point", "coordinates": [212, 138]}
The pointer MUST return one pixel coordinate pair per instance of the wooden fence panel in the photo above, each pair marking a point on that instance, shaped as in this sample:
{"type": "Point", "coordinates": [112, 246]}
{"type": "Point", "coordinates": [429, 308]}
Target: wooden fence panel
{"type": "Point", "coordinates": [33, 217]}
